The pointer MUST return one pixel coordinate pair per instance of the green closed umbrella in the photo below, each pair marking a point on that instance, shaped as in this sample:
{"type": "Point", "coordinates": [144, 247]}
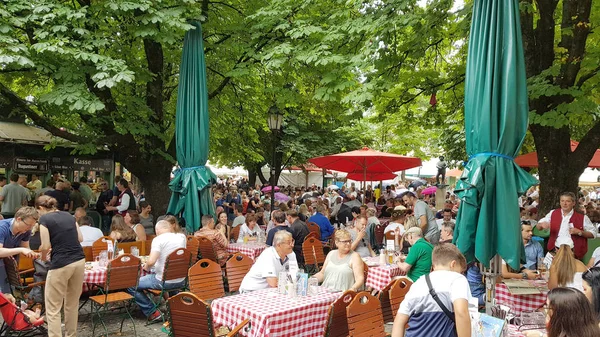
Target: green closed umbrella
{"type": "Point", "coordinates": [496, 112]}
{"type": "Point", "coordinates": [192, 183]}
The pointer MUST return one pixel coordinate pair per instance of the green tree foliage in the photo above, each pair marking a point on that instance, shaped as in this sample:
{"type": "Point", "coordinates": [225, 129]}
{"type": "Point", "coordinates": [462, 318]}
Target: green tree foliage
{"type": "Point", "coordinates": [104, 73]}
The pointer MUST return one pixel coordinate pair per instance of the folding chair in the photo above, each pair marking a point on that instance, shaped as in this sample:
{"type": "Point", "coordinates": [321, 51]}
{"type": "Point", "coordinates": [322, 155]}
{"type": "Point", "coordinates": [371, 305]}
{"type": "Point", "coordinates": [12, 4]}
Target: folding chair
{"type": "Point", "coordinates": [100, 245]}
{"type": "Point", "coordinates": [206, 280]}
{"type": "Point", "coordinates": [379, 234]}
{"type": "Point", "coordinates": [314, 228]}
{"type": "Point", "coordinates": [193, 246]}
{"type": "Point", "coordinates": [18, 286]}
{"type": "Point", "coordinates": [148, 243]}
{"type": "Point", "coordinates": [386, 307]}
{"type": "Point", "coordinates": [189, 316]}
{"type": "Point", "coordinates": [391, 296]}
{"type": "Point", "coordinates": [16, 323]}
{"type": "Point", "coordinates": [122, 273]}
{"type": "Point", "coordinates": [235, 232]}
{"type": "Point", "coordinates": [337, 321]}
{"type": "Point", "coordinates": [364, 316]}
{"type": "Point", "coordinates": [126, 246]}
{"type": "Point", "coordinates": [206, 249]}
{"type": "Point", "coordinates": [398, 292]}
{"type": "Point", "coordinates": [237, 267]}
{"type": "Point", "coordinates": [313, 254]}
{"type": "Point", "coordinates": [176, 267]}
{"type": "Point", "coordinates": [89, 256]}
{"type": "Point", "coordinates": [312, 235]}
{"type": "Point", "coordinates": [26, 268]}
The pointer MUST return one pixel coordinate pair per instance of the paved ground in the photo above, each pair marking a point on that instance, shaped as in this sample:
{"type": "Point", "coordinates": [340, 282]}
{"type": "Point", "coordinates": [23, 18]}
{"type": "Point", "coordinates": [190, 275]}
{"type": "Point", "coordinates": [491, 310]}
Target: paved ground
{"type": "Point", "coordinates": [113, 323]}
{"type": "Point", "coordinates": [114, 320]}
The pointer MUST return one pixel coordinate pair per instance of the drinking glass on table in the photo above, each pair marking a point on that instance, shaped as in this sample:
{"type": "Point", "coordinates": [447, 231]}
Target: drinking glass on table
{"type": "Point", "coordinates": [135, 251]}
{"type": "Point", "coordinates": [541, 265]}
{"type": "Point", "coordinates": [282, 282]}
{"type": "Point", "coordinates": [313, 286]}
{"type": "Point", "coordinates": [102, 258]}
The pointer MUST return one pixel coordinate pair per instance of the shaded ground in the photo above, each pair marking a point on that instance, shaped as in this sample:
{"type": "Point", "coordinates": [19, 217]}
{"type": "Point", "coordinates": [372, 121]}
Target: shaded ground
{"type": "Point", "coordinates": [113, 322]}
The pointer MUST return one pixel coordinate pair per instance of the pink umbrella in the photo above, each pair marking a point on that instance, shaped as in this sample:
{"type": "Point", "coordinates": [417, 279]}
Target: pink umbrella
{"type": "Point", "coordinates": [281, 197]}
{"type": "Point", "coordinates": [268, 189]}
{"type": "Point", "coordinates": [429, 190]}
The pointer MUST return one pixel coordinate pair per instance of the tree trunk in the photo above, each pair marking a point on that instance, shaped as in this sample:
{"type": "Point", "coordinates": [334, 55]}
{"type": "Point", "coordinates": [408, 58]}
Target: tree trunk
{"type": "Point", "coordinates": [251, 177]}
{"type": "Point", "coordinates": [559, 171]}
{"type": "Point", "coordinates": [157, 192]}
{"type": "Point", "coordinates": [154, 178]}
{"type": "Point", "coordinates": [559, 168]}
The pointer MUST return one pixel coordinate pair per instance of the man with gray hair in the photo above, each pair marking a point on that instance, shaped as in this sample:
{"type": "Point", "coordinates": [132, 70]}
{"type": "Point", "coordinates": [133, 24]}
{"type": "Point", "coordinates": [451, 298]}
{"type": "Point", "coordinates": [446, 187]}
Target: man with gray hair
{"type": "Point", "coordinates": [270, 263]}
{"type": "Point", "coordinates": [165, 243]}
{"type": "Point", "coordinates": [418, 261]}
{"type": "Point", "coordinates": [447, 233]}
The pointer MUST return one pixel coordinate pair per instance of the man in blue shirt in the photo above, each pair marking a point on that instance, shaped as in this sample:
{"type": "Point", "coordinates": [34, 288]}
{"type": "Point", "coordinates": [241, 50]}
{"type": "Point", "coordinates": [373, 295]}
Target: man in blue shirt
{"type": "Point", "coordinates": [324, 224]}
{"type": "Point", "coordinates": [533, 249]}
{"type": "Point", "coordinates": [14, 239]}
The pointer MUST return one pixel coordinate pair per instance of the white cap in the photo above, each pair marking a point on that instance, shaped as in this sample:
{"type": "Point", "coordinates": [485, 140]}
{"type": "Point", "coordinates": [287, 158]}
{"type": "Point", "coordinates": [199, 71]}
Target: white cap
{"type": "Point", "coordinates": [564, 240]}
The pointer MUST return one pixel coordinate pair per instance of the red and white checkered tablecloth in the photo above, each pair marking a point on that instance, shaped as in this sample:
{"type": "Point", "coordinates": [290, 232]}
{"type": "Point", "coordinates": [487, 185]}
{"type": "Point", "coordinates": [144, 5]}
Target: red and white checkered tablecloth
{"type": "Point", "coordinates": [519, 303]}
{"type": "Point", "coordinates": [97, 275]}
{"type": "Point", "coordinates": [379, 276]}
{"type": "Point", "coordinates": [275, 315]}
{"type": "Point", "coordinates": [251, 249]}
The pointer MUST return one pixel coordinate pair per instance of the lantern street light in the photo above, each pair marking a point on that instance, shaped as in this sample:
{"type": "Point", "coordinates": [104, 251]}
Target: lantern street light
{"type": "Point", "coordinates": [274, 121]}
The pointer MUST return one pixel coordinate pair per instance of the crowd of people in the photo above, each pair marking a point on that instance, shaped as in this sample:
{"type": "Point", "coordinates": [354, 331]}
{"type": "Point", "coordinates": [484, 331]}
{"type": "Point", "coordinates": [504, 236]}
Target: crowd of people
{"type": "Point", "coordinates": [346, 217]}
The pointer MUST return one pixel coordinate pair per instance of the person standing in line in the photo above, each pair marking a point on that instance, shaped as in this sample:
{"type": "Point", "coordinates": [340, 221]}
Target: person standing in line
{"type": "Point", "coordinates": [13, 196]}
{"type": "Point", "coordinates": [424, 216]}
{"type": "Point", "coordinates": [104, 198]}
{"type": "Point", "coordinates": [59, 231]}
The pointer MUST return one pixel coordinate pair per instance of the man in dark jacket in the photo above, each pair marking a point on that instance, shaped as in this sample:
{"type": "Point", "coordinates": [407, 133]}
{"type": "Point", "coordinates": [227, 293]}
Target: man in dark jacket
{"type": "Point", "coordinates": [299, 232]}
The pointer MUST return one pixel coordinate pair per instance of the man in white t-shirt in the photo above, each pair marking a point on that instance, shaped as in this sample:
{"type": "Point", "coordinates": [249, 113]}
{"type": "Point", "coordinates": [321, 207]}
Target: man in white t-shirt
{"type": "Point", "coordinates": [275, 259]}
{"type": "Point", "coordinates": [165, 243]}
{"type": "Point", "coordinates": [424, 315]}
{"type": "Point", "coordinates": [89, 233]}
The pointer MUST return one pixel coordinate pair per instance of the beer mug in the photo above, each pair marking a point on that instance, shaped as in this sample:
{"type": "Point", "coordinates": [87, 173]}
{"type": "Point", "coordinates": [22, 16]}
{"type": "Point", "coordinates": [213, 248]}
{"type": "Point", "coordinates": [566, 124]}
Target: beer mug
{"type": "Point", "coordinates": [102, 259]}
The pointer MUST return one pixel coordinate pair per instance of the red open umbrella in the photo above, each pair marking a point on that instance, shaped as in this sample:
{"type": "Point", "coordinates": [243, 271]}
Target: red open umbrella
{"type": "Point", "coordinates": [364, 161]}
{"type": "Point", "coordinates": [531, 159]}
{"type": "Point", "coordinates": [372, 176]}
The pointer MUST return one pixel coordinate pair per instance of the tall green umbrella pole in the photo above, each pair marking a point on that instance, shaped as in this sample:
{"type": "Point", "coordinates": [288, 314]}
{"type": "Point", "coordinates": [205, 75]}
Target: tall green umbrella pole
{"type": "Point", "coordinates": [192, 183]}
{"type": "Point", "coordinates": [496, 110]}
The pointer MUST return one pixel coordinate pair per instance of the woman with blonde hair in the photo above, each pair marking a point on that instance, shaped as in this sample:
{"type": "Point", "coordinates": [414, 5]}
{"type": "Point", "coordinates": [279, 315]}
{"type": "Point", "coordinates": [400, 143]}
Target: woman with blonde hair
{"type": "Point", "coordinates": [303, 212]}
{"type": "Point", "coordinates": [566, 270]}
{"type": "Point", "coordinates": [343, 268]}
{"type": "Point", "coordinates": [119, 230]}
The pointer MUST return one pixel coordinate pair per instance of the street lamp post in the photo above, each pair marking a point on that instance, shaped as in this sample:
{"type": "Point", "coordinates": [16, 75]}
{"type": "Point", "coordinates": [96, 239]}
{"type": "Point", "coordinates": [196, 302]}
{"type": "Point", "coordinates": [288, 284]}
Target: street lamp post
{"type": "Point", "coordinates": [275, 120]}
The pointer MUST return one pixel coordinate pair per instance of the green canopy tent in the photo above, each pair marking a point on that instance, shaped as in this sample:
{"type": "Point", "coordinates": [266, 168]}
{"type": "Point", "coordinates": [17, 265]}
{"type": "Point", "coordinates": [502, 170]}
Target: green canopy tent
{"type": "Point", "coordinates": [193, 180]}
{"type": "Point", "coordinates": [496, 112]}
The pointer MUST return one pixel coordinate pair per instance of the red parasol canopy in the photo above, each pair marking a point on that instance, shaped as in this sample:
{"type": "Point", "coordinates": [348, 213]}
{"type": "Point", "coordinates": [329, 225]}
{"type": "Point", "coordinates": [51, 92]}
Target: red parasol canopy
{"type": "Point", "coordinates": [531, 159]}
{"type": "Point", "coordinates": [371, 176]}
{"type": "Point", "coordinates": [366, 161]}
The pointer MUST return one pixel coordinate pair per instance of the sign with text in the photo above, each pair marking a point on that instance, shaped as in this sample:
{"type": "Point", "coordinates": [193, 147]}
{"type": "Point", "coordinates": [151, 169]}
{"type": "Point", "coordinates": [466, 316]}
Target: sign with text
{"type": "Point", "coordinates": [82, 164]}
{"type": "Point", "coordinates": [30, 165]}
{"type": "Point", "coordinates": [5, 162]}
